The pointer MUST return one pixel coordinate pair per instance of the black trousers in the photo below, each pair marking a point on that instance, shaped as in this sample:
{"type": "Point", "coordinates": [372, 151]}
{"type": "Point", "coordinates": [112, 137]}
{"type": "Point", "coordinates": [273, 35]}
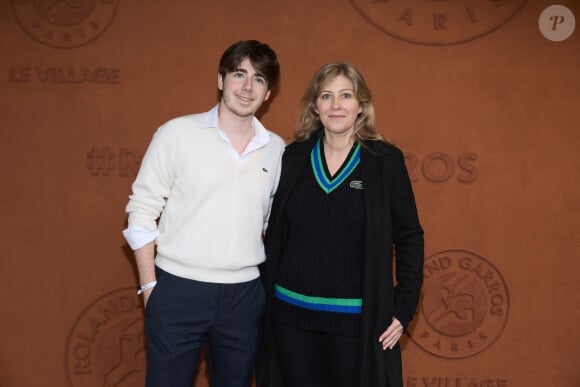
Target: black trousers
{"type": "Point", "coordinates": [183, 315]}
{"type": "Point", "coordinates": [317, 359]}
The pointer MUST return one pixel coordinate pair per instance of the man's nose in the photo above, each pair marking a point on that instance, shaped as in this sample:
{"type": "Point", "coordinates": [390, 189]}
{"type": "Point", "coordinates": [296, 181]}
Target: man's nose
{"type": "Point", "coordinates": [247, 84]}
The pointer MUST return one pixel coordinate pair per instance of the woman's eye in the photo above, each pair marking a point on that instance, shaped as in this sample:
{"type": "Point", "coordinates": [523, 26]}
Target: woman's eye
{"type": "Point", "coordinates": [346, 95]}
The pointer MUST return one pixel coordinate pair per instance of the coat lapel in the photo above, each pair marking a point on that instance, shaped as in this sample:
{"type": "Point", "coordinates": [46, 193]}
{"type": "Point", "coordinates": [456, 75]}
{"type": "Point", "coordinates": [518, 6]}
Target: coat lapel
{"type": "Point", "coordinates": [372, 193]}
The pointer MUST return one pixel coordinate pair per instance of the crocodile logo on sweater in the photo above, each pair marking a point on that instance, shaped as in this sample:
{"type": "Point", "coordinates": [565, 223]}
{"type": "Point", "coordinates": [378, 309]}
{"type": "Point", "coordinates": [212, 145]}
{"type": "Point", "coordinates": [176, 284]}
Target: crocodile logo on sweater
{"type": "Point", "coordinates": [356, 184]}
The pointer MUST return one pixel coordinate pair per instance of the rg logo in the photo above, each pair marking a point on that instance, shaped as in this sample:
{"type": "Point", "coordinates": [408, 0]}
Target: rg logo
{"type": "Point", "coordinates": [64, 24]}
{"type": "Point", "coordinates": [464, 305]}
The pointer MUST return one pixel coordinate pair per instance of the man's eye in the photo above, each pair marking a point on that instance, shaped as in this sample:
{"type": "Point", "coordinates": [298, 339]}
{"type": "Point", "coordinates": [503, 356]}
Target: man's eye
{"type": "Point", "coordinates": [238, 75]}
{"type": "Point", "coordinates": [260, 80]}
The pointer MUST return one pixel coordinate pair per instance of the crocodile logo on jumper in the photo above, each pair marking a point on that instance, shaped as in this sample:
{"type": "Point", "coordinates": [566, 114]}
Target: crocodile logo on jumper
{"type": "Point", "coordinates": [356, 184]}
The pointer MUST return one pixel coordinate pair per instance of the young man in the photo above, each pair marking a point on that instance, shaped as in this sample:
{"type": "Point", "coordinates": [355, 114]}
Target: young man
{"type": "Point", "coordinates": [202, 196]}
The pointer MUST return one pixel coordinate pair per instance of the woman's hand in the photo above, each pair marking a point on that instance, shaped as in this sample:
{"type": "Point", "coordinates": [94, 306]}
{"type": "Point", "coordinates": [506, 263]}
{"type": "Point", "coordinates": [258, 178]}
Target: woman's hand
{"type": "Point", "coordinates": [391, 336]}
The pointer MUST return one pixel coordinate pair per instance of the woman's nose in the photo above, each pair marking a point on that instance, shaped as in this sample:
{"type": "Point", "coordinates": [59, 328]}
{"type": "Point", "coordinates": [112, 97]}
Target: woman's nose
{"type": "Point", "coordinates": [335, 102]}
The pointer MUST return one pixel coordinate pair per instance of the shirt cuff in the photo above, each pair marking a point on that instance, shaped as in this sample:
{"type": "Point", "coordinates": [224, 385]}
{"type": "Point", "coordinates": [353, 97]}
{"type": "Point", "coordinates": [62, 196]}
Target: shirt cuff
{"type": "Point", "coordinates": [138, 236]}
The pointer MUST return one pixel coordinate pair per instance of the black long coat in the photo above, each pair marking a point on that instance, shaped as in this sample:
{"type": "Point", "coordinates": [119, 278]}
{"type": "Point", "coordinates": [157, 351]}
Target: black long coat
{"type": "Point", "coordinates": [392, 231]}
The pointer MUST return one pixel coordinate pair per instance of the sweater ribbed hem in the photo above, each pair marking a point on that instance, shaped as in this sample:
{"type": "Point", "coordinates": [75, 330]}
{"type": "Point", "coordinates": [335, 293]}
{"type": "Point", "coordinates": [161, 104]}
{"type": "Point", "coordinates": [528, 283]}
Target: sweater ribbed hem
{"type": "Point", "coordinates": [207, 273]}
{"type": "Point", "coordinates": [347, 324]}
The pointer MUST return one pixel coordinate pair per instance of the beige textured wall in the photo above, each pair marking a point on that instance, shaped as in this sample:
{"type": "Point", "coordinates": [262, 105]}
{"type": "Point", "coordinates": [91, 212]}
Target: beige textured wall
{"type": "Point", "coordinates": [485, 107]}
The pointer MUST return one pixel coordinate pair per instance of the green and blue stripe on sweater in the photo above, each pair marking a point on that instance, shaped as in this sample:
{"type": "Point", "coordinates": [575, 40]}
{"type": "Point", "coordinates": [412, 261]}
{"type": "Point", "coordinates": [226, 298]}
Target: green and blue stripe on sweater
{"type": "Point", "coordinates": [325, 304]}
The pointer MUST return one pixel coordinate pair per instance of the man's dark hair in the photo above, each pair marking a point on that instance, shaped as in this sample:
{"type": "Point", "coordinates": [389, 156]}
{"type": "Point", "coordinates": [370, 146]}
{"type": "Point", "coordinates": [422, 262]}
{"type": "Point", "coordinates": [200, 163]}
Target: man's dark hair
{"type": "Point", "coordinates": [262, 57]}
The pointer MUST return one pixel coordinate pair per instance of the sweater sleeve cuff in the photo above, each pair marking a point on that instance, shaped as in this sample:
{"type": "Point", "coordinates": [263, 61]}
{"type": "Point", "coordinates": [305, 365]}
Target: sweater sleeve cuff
{"type": "Point", "coordinates": [138, 236]}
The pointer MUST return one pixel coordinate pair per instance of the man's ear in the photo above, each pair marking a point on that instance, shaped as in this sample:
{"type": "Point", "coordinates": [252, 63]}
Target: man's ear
{"type": "Point", "coordinates": [267, 95]}
{"type": "Point", "coordinates": [220, 82]}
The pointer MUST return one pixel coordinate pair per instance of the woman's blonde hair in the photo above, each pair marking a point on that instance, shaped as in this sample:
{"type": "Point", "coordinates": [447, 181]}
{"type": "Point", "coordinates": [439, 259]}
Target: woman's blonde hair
{"type": "Point", "coordinates": [309, 121]}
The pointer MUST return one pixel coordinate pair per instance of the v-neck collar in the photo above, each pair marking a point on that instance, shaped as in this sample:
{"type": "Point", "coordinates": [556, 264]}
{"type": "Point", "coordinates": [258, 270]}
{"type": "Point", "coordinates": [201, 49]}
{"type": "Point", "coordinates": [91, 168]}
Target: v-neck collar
{"type": "Point", "coordinates": [325, 181]}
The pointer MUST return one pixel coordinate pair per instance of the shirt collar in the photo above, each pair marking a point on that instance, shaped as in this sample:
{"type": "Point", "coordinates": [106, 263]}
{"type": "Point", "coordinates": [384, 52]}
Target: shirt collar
{"type": "Point", "coordinates": [261, 136]}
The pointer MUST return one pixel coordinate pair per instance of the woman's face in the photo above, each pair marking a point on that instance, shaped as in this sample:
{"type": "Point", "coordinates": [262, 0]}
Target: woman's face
{"type": "Point", "coordinates": [337, 106]}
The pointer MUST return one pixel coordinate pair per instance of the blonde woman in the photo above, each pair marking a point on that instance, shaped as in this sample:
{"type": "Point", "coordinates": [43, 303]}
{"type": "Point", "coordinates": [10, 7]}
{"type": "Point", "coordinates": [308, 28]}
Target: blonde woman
{"type": "Point", "coordinates": [344, 205]}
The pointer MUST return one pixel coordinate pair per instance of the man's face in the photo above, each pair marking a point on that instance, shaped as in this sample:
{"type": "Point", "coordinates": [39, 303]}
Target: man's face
{"type": "Point", "coordinates": [243, 90]}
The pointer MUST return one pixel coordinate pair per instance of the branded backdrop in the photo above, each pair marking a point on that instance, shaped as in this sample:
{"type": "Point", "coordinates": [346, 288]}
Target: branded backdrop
{"type": "Point", "coordinates": [483, 96]}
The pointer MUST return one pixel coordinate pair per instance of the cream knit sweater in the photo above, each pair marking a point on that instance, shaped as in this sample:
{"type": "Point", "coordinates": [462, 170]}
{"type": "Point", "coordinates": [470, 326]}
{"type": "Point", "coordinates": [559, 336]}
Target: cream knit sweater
{"type": "Point", "coordinates": [209, 209]}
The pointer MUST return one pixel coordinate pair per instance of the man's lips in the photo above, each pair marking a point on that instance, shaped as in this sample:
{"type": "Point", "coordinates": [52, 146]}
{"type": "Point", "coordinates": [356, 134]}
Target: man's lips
{"type": "Point", "coordinates": [245, 99]}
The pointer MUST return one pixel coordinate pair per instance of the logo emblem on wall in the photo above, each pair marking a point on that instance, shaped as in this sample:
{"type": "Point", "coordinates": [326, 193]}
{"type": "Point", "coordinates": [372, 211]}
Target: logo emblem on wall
{"type": "Point", "coordinates": [437, 23]}
{"type": "Point", "coordinates": [464, 305]}
{"type": "Point", "coordinates": [64, 24]}
{"type": "Point", "coordinates": [106, 346]}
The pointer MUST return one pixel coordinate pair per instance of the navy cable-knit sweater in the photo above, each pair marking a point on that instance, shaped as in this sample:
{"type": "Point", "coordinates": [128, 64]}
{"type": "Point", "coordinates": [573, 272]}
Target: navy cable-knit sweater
{"type": "Point", "coordinates": [319, 280]}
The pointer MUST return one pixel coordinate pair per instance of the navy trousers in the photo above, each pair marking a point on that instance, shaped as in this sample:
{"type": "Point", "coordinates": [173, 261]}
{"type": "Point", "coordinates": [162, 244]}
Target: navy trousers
{"type": "Point", "coordinates": [183, 315]}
